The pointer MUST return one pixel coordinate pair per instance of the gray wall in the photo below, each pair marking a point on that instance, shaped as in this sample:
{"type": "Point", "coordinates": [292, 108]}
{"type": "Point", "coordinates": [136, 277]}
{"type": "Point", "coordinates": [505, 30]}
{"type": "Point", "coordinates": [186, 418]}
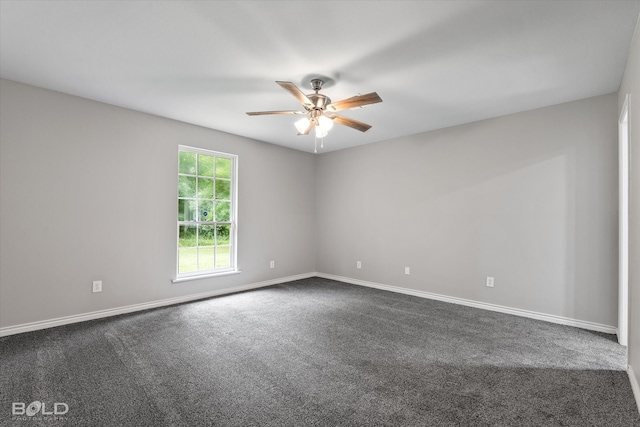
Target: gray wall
{"type": "Point", "coordinates": [529, 198]}
{"type": "Point", "coordinates": [88, 192]}
{"type": "Point", "coordinates": [631, 85]}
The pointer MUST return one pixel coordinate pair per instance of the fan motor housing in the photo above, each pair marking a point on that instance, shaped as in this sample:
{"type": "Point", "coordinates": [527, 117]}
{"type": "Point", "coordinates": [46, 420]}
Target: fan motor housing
{"type": "Point", "coordinates": [319, 101]}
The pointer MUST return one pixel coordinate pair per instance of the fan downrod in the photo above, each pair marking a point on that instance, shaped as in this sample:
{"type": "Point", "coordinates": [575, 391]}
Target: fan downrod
{"type": "Point", "coordinates": [319, 100]}
{"type": "Point", "coordinates": [316, 84]}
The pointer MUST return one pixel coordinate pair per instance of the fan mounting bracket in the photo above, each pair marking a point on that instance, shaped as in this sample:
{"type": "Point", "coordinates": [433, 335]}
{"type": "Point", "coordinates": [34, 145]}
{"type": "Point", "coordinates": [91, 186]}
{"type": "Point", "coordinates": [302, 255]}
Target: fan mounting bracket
{"type": "Point", "coordinates": [316, 84]}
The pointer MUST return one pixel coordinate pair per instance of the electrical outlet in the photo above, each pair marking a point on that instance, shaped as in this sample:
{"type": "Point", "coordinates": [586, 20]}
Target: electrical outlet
{"type": "Point", "coordinates": [272, 264]}
{"type": "Point", "coordinates": [358, 264]}
{"type": "Point", "coordinates": [97, 286]}
{"type": "Point", "coordinates": [407, 271]}
{"type": "Point", "coordinates": [489, 282]}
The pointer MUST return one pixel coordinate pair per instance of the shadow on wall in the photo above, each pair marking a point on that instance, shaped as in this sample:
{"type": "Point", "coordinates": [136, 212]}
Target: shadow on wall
{"type": "Point", "coordinates": [532, 206]}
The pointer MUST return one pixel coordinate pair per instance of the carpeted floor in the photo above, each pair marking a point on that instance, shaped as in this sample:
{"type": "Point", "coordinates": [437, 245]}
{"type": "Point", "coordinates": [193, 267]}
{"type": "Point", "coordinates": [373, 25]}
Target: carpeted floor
{"type": "Point", "coordinates": [317, 352]}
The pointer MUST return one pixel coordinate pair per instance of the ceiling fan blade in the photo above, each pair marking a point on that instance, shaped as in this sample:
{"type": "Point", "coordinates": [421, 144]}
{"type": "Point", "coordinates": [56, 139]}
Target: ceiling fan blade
{"type": "Point", "coordinates": [293, 90]}
{"type": "Point", "coordinates": [346, 121]}
{"type": "Point", "coordinates": [262, 113]}
{"type": "Point", "coordinates": [355, 101]}
{"type": "Point", "coordinates": [312, 123]}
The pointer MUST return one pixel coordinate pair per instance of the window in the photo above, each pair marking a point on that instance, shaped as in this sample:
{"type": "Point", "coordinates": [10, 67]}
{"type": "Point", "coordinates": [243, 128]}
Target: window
{"type": "Point", "coordinates": [206, 212]}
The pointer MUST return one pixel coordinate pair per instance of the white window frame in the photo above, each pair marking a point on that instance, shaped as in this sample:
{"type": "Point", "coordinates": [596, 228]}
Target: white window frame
{"type": "Point", "coordinates": [233, 220]}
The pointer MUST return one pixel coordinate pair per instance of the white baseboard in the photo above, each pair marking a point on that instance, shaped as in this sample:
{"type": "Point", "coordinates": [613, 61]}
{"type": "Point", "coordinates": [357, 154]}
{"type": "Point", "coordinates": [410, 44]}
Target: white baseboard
{"type": "Point", "coordinates": [44, 324]}
{"type": "Point", "coordinates": [483, 305]}
{"type": "Point", "coordinates": [634, 385]}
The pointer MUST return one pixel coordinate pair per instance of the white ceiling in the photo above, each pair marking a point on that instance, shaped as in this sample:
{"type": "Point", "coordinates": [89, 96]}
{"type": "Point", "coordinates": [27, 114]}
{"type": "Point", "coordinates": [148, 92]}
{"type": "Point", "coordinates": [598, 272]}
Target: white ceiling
{"type": "Point", "coordinates": [434, 63]}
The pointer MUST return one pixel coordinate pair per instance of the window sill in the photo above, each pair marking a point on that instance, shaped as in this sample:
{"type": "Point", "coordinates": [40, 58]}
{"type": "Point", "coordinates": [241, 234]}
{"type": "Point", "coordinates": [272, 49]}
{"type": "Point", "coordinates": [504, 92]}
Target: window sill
{"type": "Point", "coordinates": [205, 276]}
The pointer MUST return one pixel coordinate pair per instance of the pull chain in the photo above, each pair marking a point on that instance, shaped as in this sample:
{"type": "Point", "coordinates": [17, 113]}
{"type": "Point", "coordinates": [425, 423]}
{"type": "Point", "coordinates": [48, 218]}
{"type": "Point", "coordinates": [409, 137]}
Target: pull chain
{"type": "Point", "coordinates": [315, 144]}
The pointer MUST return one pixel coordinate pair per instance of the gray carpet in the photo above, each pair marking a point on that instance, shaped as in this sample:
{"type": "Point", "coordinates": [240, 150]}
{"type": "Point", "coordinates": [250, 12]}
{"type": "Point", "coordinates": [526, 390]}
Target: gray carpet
{"type": "Point", "coordinates": [317, 352]}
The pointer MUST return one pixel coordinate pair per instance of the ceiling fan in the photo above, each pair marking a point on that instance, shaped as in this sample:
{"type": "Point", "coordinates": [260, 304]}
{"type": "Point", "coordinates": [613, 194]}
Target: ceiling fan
{"type": "Point", "coordinates": [319, 109]}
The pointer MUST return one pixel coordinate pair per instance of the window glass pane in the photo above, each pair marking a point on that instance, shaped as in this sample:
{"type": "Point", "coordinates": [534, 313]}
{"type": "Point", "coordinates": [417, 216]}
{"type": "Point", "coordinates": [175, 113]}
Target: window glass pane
{"type": "Point", "coordinates": [187, 162]}
{"type": "Point", "coordinates": [206, 210]}
{"type": "Point", "coordinates": [222, 234]}
{"type": "Point", "coordinates": [223, 167]}
{"type": "Point", "coordinates": [205, 188]}
{"type": "Point", "coordinates": [187, 210]}
{"type": "Point", "coordinates": [205, 165]}
{"type": "Point", "coordinates": [206, 235]}
{"type": "Point", "coordinates": [206, 232]}
{"type": "Point", "coordinates": [223, 256]}
{"type": "Point", "coordinates": [205, 258]}
{"type": "Point", "coordinates": [187, 260]}
{"type": "Point", "coordinates": [223, 211]}
{"type": "Point", "coordinates": [187, 236]}
{"type": "Point", "coordinates": [223, 190]}
{"type": "Point", "coordinates": [186, 186]}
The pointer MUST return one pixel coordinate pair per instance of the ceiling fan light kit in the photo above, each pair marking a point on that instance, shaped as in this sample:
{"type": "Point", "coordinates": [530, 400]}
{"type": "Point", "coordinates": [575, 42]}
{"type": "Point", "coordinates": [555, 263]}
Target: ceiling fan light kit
{"type": "Point", "coordinates": [319, 110]}
{"type": "Point", "coordinates": [322, 124]}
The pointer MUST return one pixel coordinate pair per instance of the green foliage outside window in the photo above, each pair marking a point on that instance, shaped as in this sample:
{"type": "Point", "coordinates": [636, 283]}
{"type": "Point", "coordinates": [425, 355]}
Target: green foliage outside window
{"type": "Point", "coordinates": [204, 212]}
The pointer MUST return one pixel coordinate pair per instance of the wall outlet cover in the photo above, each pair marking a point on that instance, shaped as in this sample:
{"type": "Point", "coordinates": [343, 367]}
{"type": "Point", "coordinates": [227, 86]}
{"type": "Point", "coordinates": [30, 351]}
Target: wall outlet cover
{"type": "Point", "coordinates": [97, 286]}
